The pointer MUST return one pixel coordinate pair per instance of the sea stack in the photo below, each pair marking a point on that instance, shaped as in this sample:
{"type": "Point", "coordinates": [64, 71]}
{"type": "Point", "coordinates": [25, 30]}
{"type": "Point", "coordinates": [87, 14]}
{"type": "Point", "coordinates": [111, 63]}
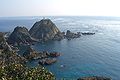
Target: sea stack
{"type": "Point", "coordinates": [20, 35]}
{"type": "Point", "coordinates": [44, 30]}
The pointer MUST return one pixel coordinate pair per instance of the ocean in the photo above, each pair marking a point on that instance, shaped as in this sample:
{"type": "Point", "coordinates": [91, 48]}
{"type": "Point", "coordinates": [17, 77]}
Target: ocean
{"type": "Point", "coordinates": [91, 55]}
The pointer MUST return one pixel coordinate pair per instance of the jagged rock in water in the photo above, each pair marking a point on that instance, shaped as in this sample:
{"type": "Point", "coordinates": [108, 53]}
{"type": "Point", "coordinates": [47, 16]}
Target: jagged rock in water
{"type": "Point", "coordinates": [88, 33]}
{"type": "Point", "coordinates": [20, 35]}
{"type": "Point", "coordinates": [31, 54]}
{"type": "Point", "coordinates": [44, 30]}
{"type": "Point", "coordinates": [70, 35]}
{"type": "Point", "coordinates": [95, 78]}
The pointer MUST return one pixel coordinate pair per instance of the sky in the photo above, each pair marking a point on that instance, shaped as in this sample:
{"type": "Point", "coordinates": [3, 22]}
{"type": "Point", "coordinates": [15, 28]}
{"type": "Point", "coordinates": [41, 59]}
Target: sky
{"type": "Point", "coordinates": [10, 8]}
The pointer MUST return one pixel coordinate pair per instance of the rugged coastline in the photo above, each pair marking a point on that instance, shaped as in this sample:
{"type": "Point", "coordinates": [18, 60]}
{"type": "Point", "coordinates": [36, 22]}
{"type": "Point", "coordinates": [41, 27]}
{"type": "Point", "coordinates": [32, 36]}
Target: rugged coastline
{"type": "Point", "coordinates": [21, 36]}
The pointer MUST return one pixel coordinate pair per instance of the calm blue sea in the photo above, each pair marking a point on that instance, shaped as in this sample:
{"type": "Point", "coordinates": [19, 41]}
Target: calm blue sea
{"type": "Point", "coordinates": [93, 55]}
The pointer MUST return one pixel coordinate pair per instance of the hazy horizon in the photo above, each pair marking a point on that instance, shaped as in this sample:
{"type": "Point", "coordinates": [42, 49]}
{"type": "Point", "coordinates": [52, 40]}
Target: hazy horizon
{"type": "Point", "coordinates": [15, 8]}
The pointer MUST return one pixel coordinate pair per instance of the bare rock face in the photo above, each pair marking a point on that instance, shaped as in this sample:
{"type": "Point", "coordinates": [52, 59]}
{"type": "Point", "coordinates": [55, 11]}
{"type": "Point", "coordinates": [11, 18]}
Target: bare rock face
{"type": "Point", "coordinates": [3, 44]}
{"type": "Point", "coordinates": [20, 35]}
{"type": "Point", "coordinates": [44, 30]}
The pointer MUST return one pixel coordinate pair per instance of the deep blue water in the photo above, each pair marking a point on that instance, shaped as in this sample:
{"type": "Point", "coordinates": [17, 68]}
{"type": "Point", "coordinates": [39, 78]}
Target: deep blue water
{"type": "Point", "coordinates": [95, 55]}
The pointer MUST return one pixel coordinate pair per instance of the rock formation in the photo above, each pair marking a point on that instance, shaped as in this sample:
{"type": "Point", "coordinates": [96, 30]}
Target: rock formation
{"type": "Point", "coordinates": [70, 35]}
{"type": "Point", "coordinates": [59, 36]}
{"type": "Point", "coordinates": [47, 61]}
{"type": "Point", "coordinates": [45, 58]}
{"type": "Point", "coordinates": [44, 30]}
{"type": "Point", "coordinates": [13, 67]}
{"type": "Point", "coordinates": [3, 44]}
{"type": "Point", "coordinates": [20, 35]}
{"type": "Point", "coordinates": [88, 33]}
{"type": "Point", "coordinates": [31, 54]}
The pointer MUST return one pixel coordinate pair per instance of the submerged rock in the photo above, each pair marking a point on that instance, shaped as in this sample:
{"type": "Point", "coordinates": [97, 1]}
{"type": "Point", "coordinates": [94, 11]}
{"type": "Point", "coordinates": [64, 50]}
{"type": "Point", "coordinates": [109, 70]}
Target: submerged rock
{"type": "Point", "coordinates": [44, 30]}
{"type": "Point", "coordinates": [20, 35]}
{"type": "Point", "coordinates": [95, 78]}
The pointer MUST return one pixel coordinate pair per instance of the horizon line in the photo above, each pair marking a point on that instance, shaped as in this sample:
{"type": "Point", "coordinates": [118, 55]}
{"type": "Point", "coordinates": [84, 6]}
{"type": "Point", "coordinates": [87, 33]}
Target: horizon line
{"type": "Point", "coordinates": [59, 16]}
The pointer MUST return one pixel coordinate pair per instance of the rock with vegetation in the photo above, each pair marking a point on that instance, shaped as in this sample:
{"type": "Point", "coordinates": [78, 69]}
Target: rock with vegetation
{"type": "Point", "coordinates": [20, 35]}
{"type": "Point", "coordinates": [2, 40]}
{"type": "Point", "coordinates": [3, 44]}
{"type": "Point", "coordinates": [44, 30]}
{"type": "Point", "coordinates": [2, 37]}
{"type": "Point", "coordinates": [12, 67]}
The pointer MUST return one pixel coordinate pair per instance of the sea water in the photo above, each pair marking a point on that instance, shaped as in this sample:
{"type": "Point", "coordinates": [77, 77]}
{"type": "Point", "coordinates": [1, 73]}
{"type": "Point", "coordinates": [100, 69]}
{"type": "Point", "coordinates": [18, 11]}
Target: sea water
{"type": "Point", "coordinates": [91, 55]}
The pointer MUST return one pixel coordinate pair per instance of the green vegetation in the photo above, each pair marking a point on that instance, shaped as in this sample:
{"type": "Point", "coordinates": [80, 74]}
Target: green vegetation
{"type": "Point", "coordinates": [12, 67]}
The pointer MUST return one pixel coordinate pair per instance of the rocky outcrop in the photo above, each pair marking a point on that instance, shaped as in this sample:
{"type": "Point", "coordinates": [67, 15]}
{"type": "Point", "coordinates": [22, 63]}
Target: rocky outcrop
{"type": "Point", "coordinates": [3, 44]}
{"type": "Point", "coordinates": [20, 35]}
{"type": "Point", "coordinates": [45, 58]}
{"type": "Point", "coordinates": [88, 33]}
{"type": "Point", "coordinates": [47, 61]}
{"type": "Point", "coordinates": [31, 54]}
{"type": "Point", "coordinates": [95, 78]}
{"type": "Point", "coordinates": [70, 35]}
{"type": "Point", "coordinates": [44, 30]}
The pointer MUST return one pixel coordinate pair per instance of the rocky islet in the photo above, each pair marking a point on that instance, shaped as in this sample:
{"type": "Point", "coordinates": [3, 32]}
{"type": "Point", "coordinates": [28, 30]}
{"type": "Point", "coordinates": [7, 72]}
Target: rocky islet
{"type": "Point", "coordinates": [41, 31]}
